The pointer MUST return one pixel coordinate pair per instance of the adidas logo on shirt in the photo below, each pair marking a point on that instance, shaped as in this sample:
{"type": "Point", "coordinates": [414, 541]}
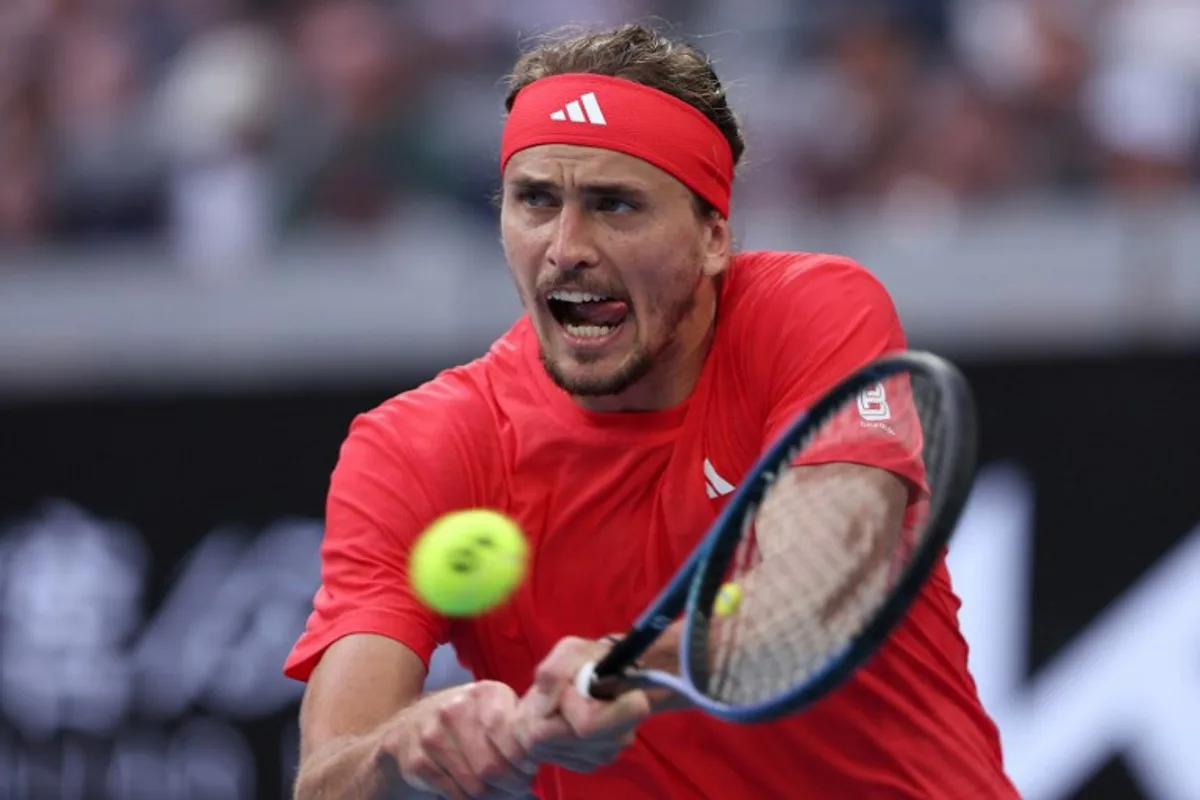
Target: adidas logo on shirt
{"type": "Point", "coordinates": [585, 109]}
{"type": "Point", "coordinates": [714, 485]}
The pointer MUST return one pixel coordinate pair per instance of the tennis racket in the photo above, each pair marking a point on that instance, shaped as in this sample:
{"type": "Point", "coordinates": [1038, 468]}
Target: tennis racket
{"type": "Point", "coordinates": [785, 597]}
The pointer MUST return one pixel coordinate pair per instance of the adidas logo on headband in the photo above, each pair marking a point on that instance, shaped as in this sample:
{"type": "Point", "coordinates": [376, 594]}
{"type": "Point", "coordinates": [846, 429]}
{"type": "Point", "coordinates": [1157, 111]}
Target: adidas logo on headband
{"type": "Point", "coordinates": [696, 153]}
{"type": "Point", "coordinates": [589, 111]}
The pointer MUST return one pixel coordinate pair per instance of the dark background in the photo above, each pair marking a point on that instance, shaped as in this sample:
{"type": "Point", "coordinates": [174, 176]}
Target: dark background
{"type": "Point", "coordinates": [1109, 443]}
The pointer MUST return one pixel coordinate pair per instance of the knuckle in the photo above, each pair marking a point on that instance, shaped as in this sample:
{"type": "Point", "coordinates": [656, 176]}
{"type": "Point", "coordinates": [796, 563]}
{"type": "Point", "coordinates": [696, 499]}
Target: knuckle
{"type": "Point", "coordinates": [563, 648]}
{"type": "Point", "coordinates": [548, 667]}
{"type": "Point", "coordinates": [392, 741]}
{"type": "Point", "coordinates": [489, 698]}
{"type": "Point", "coordinates": [429, 735]}
{"type": "Point", "coordinates": [453, 710]}
{"type": "Point", "coordinates": [493, 718]}
{"type": "Point", "coordinates": [575, 645]}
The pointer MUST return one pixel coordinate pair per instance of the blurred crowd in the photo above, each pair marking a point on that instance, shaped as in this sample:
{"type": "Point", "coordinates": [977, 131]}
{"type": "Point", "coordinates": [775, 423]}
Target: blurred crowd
{"type": "Point", "coordinates": [220, 125]}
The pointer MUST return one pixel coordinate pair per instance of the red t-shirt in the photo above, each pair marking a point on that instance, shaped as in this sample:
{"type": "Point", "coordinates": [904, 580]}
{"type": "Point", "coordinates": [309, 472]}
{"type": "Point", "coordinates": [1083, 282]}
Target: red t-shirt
{"type": "Point", "coordinates": [613, 503]}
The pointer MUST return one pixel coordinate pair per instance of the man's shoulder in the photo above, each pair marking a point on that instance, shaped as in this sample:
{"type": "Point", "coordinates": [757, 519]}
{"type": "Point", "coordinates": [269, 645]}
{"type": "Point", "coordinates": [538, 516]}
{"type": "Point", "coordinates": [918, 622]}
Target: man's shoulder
{"type": "Point", "coordinates": [764, 283]}
{"type": "Point", "coordinates": [461, 395]}
{"type": "Point", "coordinates": [766, 270]}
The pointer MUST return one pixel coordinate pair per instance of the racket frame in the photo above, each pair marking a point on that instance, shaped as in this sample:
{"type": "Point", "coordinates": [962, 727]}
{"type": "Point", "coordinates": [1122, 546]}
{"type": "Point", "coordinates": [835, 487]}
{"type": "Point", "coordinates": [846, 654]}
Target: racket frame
{"type": "Point", "coordinates": [693, 589]}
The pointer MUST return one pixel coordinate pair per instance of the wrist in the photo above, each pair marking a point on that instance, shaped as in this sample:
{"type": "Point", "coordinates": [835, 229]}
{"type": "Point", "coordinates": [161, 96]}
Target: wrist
{"type": "Point", "coordinates": [382, 771]}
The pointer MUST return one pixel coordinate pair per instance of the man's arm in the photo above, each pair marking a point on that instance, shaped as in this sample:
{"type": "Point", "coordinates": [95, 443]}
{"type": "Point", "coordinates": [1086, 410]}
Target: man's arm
{"type": "Point", "coordinates": [855, 508]}
{"type": "Point", "coordinates": [357, 693]}
{"type": "Point", "coordinates": [865, 526]}
{"type": "Point", "coordinates": [366, 730]}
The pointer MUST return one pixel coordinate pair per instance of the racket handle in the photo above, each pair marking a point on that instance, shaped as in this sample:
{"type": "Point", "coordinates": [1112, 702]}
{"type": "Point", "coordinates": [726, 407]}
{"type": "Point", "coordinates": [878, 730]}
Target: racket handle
{"type": "Point", "coordinates": [589, 684]}
{"type": "Point", "coordinates": [585, 679]}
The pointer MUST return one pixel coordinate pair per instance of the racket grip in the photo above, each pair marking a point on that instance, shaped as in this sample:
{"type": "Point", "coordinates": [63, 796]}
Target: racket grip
{"type": "Point", "coordinates": [589, 684]}
{"type": "Point", "coordinates": [585, 679]}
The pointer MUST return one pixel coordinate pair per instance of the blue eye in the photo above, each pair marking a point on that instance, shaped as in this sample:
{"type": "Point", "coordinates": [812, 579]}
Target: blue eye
{"type": "Point", "coordinates": [535, 198]}
{"type": "Point", "coordinates": [614, 205]}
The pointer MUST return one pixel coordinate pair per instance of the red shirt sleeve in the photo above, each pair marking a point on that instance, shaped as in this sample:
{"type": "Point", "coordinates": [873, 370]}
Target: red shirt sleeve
{"type": "Point", "coordinates": [401, 466]}
{"type": "Point", "coordinates": [824, 317]}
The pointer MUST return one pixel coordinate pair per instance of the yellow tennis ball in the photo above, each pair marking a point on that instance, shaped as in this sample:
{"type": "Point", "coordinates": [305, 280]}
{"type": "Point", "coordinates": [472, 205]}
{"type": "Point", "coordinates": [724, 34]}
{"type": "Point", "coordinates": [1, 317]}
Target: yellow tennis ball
{"type": "Point", "coordinates": [468, 562]}
{"type": "Point", "coordinates": [729, 597]}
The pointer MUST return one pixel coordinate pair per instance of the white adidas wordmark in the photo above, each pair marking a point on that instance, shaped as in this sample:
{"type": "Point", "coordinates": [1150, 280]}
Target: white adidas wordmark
{"type": "Point", "coordinates": [588, 112]}
{"type": "Point", "coordinates": [714, 485]}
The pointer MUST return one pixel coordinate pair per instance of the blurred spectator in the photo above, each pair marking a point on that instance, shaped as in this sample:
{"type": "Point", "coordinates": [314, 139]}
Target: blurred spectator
{"type": "Point", "coordinates": [1147, 123]}
{"type": "Point", "coordinates": [361, 142]}
{"type": "Point", "coordinates": [24, 207]}
{"type": "Point", "coordinates": [106, 176]}
{"type": "Point", "coordinates": [24, 211]}
{"type": "Point", "coordinates": [1033, 57]}
{"type": "Point", "coordinates": [220, 124]}
{"type": "Point", "coordinates": [1143, 100]}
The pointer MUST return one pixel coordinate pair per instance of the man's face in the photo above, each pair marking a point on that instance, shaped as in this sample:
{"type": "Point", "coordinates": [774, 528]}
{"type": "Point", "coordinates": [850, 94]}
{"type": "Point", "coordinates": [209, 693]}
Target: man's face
{"type": "Point", "coordinates": [608, 254]}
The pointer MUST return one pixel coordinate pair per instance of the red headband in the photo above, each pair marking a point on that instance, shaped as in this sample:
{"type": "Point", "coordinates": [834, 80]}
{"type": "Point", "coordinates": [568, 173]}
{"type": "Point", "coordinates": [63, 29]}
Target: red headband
{"type": "Point", "coordinates": [629, 117]}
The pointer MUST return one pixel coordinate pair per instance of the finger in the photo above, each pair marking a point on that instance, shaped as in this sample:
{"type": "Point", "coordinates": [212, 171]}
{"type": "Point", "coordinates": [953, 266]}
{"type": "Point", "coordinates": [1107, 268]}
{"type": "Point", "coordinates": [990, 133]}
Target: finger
{"type": "Point", "coordinates": [565, 654]}
{"type": "Point", "coordinates": [428, 777]}
{"type": "Point", "coordinates": [557, 672]}
{"type": "Point", "coordinates": [541, 701]}
{"type": "Point", "coordinates": [555, 738]}
{"type": "Point", "coordinates": [505, 730]}
{"type": "Point", "coordinates": [535, 732]}
{"type": "Point", "coordinates": [599, 719]}
{"type": "Point", "coordinates": [439, 763]}
{"type": "Point", "coordinates": [538, 704]}
{"type": "Point", "coordinates": [408, 763]}
{"type": "Point", "coordinates": [486, 761]}
{"type": "Point", "coordinates": [553, 741]}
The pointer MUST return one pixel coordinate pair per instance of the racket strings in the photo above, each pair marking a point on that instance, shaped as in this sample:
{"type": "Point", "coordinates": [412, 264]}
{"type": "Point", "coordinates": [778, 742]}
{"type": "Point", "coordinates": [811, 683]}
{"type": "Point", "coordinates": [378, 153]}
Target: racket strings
{"type": "Point", "coordinates": [816, 561]}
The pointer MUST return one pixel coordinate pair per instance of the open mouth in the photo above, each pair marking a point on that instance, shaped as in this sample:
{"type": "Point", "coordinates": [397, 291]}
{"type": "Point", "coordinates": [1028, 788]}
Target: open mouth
{"type": "Point", "coordinates": [584, 315]}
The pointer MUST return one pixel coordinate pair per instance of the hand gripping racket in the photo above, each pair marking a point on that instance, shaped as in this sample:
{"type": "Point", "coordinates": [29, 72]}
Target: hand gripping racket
{"type": "Point", "coordinates": [790, 591]}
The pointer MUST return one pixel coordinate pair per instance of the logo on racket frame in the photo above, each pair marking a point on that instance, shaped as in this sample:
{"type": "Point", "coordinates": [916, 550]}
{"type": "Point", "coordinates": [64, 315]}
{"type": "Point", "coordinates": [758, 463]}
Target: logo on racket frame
{"type": "Point", "coordinates": [873, 404]}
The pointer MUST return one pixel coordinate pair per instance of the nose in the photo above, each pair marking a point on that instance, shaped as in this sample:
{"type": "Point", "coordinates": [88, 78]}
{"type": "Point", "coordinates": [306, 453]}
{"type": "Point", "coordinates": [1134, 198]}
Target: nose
{"type": "Point", "coordinates": [572, 246]}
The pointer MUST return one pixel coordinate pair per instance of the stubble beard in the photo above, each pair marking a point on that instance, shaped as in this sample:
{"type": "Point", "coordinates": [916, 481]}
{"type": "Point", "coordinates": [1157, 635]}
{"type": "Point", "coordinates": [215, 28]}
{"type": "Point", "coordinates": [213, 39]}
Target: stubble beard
{"type": "Point", "coordinates": [636, 365]}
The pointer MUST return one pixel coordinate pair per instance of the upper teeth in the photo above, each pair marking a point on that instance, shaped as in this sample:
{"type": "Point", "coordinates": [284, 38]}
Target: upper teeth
{"type": "Point", "coordinates": [576, 297]}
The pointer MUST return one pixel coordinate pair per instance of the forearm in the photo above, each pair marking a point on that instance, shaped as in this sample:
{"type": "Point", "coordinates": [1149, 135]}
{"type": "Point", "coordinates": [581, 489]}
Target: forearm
{"type": "Point", "coordinates": [856, 538]}
{"type": "Point", "coordinates": [355, 766]}
{"type": "Point", "coordinates": [663, 654]}
{"type": "Point", "coordinates": [350, 767]}
{"type": "Point", "coordinates": [819, 569]}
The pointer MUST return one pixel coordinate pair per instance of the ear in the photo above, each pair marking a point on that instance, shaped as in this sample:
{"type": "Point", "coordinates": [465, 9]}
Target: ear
{"type": "Point", "coordinates": [718, 244]}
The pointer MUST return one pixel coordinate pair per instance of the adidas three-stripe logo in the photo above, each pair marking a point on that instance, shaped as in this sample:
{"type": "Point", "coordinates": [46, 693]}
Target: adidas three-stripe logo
{"type": "Point", "coordinates": [585, 109]}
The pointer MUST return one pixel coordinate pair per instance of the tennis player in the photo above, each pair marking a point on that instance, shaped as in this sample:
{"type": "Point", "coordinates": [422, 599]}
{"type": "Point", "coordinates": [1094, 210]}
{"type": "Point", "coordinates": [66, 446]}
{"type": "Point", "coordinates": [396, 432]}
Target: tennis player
{"type": "Point", "coordinates": [652, 366]}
